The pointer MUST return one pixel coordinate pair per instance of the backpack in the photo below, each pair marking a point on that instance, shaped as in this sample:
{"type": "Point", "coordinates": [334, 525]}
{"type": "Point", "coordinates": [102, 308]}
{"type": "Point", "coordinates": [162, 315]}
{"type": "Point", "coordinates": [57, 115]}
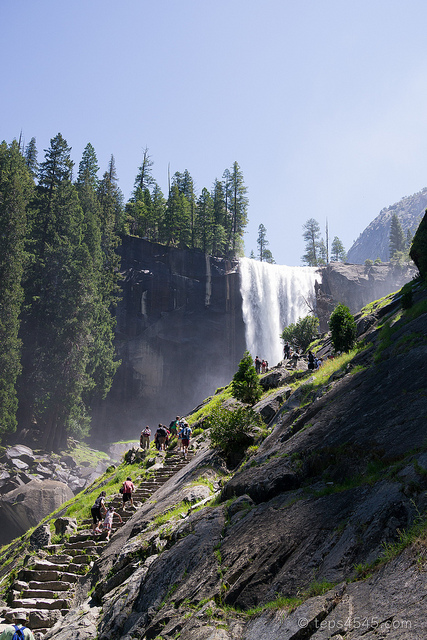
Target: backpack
{"type": "Point", "coordinates": [186, 432]}
{"type": "Point", "coordinates": [146, 432]}
{"type": "Point", "coordinates": [19, 633]}
{"type": "Point", "coordinates": [161, 431]}
{"type": "Point", "coordinates": [98, 502]}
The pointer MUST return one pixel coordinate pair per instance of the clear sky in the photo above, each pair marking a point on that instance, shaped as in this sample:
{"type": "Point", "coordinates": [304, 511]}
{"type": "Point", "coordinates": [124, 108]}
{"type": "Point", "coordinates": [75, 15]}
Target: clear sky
{"type": "Point", "coordinates": [321, 102]}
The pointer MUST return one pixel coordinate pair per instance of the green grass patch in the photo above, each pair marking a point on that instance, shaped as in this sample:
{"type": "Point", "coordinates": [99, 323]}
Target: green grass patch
{"type": "Point", "coordinates": [213, 403]}
{"type": "Point", "coordinates": [173, 512]}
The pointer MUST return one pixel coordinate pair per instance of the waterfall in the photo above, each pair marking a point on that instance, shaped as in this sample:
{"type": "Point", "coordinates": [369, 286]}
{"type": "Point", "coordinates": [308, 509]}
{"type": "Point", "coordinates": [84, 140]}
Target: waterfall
{"type": "Point", "coordinates": [273, 296]}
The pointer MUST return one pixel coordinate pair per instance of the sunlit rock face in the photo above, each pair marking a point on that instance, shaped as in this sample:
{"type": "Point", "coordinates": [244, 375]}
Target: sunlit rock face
{"type": "Point", "coordinates": [180, 336]}
{"type": "Point", "coordinates": [355, 285]}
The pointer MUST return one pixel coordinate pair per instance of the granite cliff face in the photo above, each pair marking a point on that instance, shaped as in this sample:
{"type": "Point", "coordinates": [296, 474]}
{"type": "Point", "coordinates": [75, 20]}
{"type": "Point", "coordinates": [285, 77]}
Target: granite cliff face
{"type": "Point", "coordinates": [356, 285]}
{"type": "Point", "coordinates": [180, 335]}
{"type": "Point", "coordinates": [374, 241]}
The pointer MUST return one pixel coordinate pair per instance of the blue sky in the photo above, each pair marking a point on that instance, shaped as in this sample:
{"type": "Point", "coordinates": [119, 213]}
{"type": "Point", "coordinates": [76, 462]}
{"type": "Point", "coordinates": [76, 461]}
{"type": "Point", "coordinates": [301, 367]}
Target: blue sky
{"type": "Point", "coordinates": [321, 102]}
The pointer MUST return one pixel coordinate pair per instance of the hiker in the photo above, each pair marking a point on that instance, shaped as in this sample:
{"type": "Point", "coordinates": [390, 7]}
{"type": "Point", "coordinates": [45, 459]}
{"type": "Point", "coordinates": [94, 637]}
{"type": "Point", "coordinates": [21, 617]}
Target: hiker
{"type": "Point", "coordinates": [287, 351]}
{"type": "Point", "coordinates": [311, 360]}
{"type": "Point", "coordinates": [98, 507]}
{"type": "Point", "coordinates": [185, 434]}
{"type": "Point", "coordinates": [144, 440]}
{"type": "Point", "coordinates": [17, 627]}
{"type": "Point", "coordinates": [128, 488]}
{"type": "Point", "coordinates": [161, 434]}
{"type": "Point", "coordinates": [108, 520]}
{"type": "Point", "coordinates": [257, 364]}
{"type": "Point", "coordinates": [174, 426]}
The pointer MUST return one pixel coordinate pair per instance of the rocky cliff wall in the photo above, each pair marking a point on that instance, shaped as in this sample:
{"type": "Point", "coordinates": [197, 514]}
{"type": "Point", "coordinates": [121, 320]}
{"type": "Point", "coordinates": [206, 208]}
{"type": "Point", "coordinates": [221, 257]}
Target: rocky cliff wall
{"type": "Point", "coordinates": [356, 285]}
{"type": "Point", "coordinates": [180, 330]}
{"type": "Point", "coordinates": [180, 335]}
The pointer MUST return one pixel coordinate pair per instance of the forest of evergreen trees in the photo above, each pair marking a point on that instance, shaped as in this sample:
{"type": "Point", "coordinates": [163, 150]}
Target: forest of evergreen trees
{"type": "Point", "coordinates": [60, 273]}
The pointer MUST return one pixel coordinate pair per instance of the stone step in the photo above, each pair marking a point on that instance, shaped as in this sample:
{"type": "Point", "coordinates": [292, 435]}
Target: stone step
{"type": "Point", "coordinates": [91, 543]}
{"type": "Point", "coordinates": [54, 548]}
{"type": "Point", "coordinates": [77, 553]}
{"type": "Point", "coordinates": [39, 619]}
{"type": "Point", "coordinates": [53, 585]}
{"type": "Point", "coordinates": [41, 603]}
{"type": "Point", "coordinates": [69, 567]}
{"type": "Point", "coordinates": [47, 576]}
{"type": "Point", "coordinates": [38, 593]}
{"type": "Point", "coordinates": [60, 558]}
{"type": "Point", "coordinates": [84, 559]}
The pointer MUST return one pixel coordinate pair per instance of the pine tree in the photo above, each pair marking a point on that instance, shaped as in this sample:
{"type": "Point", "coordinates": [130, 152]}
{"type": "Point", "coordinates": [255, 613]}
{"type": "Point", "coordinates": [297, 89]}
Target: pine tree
{"type": "Point", "coordinates": [104, 275]}
{"type": "Point", "coordinates": [245, 384]}
{"type": "Point", "coordinates": [219, 221]}
{"type": "Point", "coordinates": [238, 208]}
{"type": "Point", "coordinates": [16, 188]}
{"type": "Point", "coordinates": [30, 156]}
{"type": "Point", "coordinates": [67, 290]}
{"type": "Point", "coordinates": [397, 241]}
{"type": "Point", "coordinates": [338, 253]}
{"type": "Point", "coordinates": [343, 328]}
{"type": "Point", "coordinates": [205, 222]}
{"type": "Point", "coordinates": [264, 254]}
{"type": "Point", "coordinates": [88, 168]}
{"type": "Point", "coordinates": [313, 246]}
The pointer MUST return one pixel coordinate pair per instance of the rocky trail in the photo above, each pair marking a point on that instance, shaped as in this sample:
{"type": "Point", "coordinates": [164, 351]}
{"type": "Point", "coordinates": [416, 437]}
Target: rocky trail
{"type": "Point", "coordinates": [46, 587]}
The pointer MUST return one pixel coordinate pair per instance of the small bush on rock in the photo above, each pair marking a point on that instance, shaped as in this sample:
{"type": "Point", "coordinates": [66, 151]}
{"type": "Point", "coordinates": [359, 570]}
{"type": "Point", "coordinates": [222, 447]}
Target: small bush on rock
{"type": "Point", "coordinates": [245, 385]}
{"type": "Point", "coordinates": [343, 328]}
{"type": "Point", "coordinates": [231, 431]}
{"type": "Point", "coordinates": [302, 333]}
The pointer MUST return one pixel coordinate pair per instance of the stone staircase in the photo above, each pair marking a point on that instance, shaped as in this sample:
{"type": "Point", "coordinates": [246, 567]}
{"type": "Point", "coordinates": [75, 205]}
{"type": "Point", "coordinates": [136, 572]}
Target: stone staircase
{"type": "Point", "coordinates": [45, 589]}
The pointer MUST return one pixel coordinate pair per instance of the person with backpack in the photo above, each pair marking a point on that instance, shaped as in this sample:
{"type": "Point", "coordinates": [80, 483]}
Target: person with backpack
{"type": "Point", "coordinates": [128, 488]}
{"type": "Point", "coordinates": [98, 511]}
{"type": "Point", "coordinates": [18, 630]}
{"type": "Point", "coordinates": [161, 437]}
{"type": "Point", "coordinates": [185, 434]}
{"type": "Point", "coordinates": [144, 441]}
{"type": "Point", "coordinates": [174, 426]}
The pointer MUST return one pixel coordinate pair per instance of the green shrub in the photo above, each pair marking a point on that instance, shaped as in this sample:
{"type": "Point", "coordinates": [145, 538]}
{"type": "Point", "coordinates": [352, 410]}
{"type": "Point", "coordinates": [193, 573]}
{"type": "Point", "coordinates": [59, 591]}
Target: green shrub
{"type": "Point", "coordinates": [406, 300]}
{"type": "Point", "coordinates": [343, 328]}
{"type": "Point", "coordinates": [302, 333]}
{"type": "Point", "coordinates": [231, 430]}
{"type": "Point", "coordinates": [245, 385]}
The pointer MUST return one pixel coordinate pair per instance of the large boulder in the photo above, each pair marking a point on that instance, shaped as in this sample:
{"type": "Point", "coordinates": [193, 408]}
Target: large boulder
{"type": "Point", "coordinates": [26, 506]}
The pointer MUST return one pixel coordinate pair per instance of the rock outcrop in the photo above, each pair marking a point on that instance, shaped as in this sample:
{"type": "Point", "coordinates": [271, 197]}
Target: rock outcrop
{"type": "Point", "coordinates": [23, 508]}
{"type": "Point", "coordinates": [374, 241]}
{"type": "Point", "coordinates": [356, 285]}
{"type": "Point", "coordinates": [419, 248]}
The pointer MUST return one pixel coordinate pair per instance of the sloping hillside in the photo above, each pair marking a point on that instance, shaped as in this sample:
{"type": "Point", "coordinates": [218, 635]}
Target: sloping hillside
{"type": "Point", "coordinates": [320, 531]}
{"type": "Point", "coordinates": [373, 242]}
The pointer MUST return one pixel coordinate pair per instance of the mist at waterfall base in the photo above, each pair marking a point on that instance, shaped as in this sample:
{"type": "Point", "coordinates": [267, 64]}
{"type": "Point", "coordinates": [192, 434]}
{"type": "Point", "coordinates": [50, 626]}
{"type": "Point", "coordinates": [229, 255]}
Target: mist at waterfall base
{"type": "Point", "coordinates": [273, 296]}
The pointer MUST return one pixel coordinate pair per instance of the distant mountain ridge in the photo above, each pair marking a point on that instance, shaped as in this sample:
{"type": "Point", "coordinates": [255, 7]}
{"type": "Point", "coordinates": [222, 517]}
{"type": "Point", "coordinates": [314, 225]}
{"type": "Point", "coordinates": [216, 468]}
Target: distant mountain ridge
{"type": "Point", "coordinates": [373, 242]}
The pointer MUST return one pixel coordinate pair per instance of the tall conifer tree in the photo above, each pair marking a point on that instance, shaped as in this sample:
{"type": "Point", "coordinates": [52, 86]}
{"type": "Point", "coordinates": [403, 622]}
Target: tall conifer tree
{"type": "Point", "coordinates": [16, 187]}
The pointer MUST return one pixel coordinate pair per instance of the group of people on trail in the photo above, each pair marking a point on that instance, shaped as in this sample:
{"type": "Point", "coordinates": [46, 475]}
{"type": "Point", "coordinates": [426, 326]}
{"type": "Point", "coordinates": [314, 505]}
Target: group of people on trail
{"type": "Point", "coordinates": [313, 361]}
{"type": "Point", "coordinates": [102, 516]}
{"type": "Point", "coordinates": [105, 515]}
{"type": "Point", "coordinates": [261, 366]}
{"type": "Point", "coordinates": [178, 428]}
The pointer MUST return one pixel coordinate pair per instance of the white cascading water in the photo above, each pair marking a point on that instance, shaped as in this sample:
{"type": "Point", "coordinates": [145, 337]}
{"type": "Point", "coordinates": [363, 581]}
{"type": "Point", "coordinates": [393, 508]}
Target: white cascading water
{"type": "Point", "coordinates": [274, 296]}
